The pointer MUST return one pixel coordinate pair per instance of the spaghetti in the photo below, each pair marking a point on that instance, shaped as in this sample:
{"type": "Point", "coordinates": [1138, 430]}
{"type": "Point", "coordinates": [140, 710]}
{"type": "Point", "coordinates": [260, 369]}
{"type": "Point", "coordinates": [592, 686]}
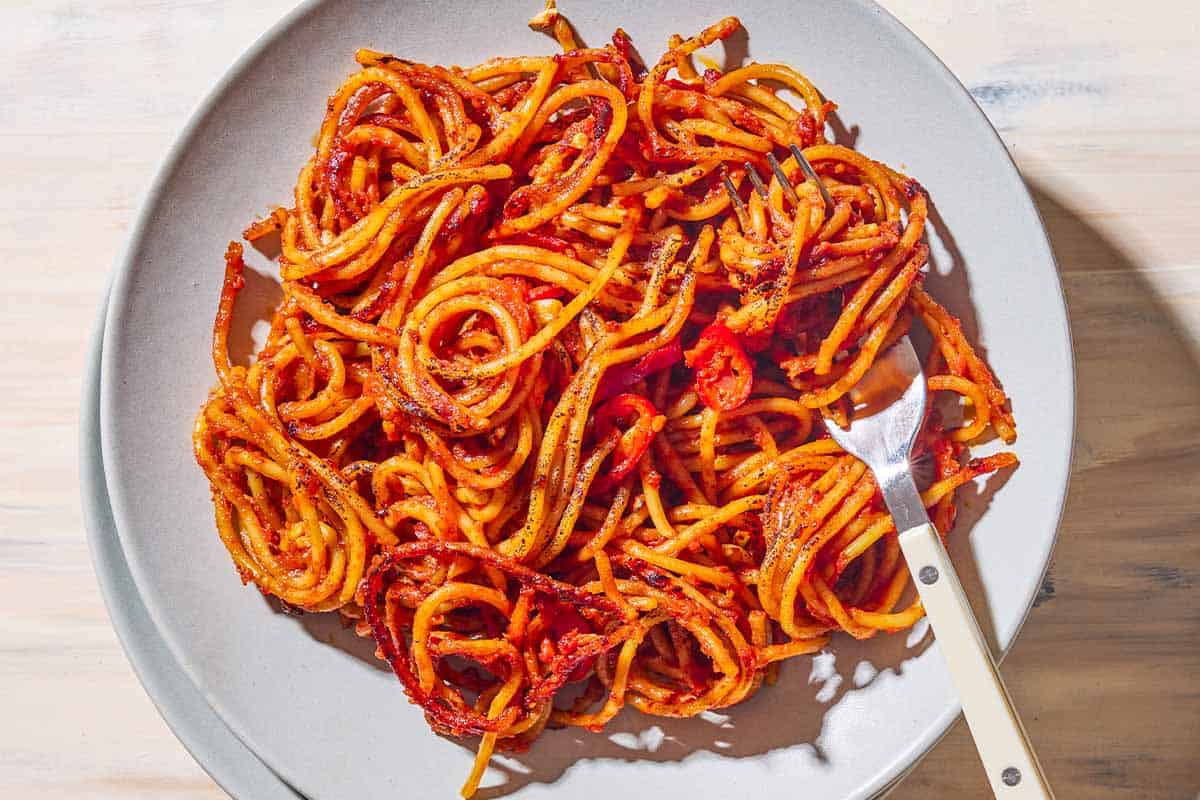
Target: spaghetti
{"type": "Point", "coordinates": [544, 404]}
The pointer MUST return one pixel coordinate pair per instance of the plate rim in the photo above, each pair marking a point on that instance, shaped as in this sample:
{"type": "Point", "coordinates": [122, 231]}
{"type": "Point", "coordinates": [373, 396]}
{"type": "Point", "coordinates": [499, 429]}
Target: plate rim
{"type": "Point", "coordinates": [229, 761]}
{"type": "Point", "coordinates": [123, 268]}
{"type": "Point", "coordinates": [169, 685]}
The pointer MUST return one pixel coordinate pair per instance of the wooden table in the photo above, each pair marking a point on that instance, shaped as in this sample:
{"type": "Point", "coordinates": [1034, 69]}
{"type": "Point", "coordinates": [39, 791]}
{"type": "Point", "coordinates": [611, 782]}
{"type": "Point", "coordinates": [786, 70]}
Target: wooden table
{"type": "Point", "coordinates": [1099, 107]}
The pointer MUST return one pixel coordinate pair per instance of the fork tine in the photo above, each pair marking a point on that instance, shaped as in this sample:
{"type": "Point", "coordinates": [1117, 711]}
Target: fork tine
{"type": "Point", "coordinates": [738, 206]}
{"type": "Point", "coordinates": [811, 174]}
{"type": "Point", "coordinates": [782, 177]}
{"type": "Point", "coordinates": [757, 181]}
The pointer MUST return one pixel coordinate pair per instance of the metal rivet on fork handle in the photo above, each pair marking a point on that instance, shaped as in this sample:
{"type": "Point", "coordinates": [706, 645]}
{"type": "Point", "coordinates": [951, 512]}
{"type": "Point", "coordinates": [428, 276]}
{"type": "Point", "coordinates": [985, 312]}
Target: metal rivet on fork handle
{"type": "Point", "coordinates": [1011, 776]}
{"type": "Point", "coordinates": [928, 575]}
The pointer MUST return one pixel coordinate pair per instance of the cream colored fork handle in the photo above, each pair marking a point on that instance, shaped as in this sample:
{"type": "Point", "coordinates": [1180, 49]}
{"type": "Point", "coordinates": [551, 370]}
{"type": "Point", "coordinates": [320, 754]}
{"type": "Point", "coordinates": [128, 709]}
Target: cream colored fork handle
{"type": "Point", "coordinates": [1012, 767]}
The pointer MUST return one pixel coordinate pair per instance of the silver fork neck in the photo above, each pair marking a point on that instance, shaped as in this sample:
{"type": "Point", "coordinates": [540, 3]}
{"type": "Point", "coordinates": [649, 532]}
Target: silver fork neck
{"type": "Point", "coordinates": [901, 496]}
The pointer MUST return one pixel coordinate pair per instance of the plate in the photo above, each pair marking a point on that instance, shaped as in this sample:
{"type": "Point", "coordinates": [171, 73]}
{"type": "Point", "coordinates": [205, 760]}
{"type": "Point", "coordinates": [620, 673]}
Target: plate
{"type": "Point", "coordinates": [305, 696]}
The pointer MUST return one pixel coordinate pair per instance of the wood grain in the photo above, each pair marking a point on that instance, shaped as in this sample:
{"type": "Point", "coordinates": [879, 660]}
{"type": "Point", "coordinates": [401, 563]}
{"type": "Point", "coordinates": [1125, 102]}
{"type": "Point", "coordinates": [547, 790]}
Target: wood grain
{"type": "Point", "coordinates": [1096, 104]}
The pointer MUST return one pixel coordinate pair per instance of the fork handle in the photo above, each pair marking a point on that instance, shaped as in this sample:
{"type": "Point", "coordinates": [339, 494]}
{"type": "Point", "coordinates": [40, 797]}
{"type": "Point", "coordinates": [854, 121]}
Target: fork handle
{"type": "Point", "coordinates": [1004, 747]}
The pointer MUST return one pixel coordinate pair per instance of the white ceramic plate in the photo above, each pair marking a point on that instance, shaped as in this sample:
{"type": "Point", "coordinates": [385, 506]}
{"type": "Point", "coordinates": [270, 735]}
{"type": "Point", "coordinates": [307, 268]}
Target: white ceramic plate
{"type": "Point", "coordinates": [305, 696]}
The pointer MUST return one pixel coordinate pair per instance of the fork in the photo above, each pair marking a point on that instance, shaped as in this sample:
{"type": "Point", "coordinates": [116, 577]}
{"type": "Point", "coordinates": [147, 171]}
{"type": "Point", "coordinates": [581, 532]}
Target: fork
{"type": "Point", "coordinates": [785, 184]}
{"type": "Point", "coordinates": [888, 410]}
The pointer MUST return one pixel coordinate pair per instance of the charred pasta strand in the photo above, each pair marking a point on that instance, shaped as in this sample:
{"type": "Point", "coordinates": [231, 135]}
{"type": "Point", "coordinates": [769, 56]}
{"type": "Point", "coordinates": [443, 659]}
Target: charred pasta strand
{"type": "Point", "coordinates": [543, 406]}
